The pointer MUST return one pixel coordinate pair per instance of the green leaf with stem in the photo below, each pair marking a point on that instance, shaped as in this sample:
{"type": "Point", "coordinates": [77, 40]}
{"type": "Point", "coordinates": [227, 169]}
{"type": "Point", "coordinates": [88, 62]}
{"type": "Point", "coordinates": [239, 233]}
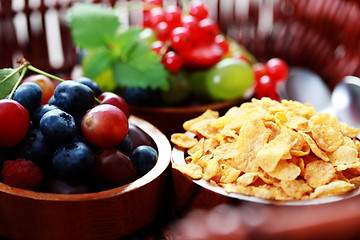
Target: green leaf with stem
{"type": "Point", "coordinates": [97, 61]}
{"type": "Point", "coordinates": [9, 80]}
{"type": "Point", "coordinates": [132, 63]}
{"type": "Point", "coordinates": [141, 69]}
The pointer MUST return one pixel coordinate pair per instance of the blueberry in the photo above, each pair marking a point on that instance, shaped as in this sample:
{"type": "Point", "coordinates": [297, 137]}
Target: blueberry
{"type": "Point", "coordinates": [144, 159]}
{"type": "Point", "coordinates": [91, 84]}
{"type": "Point", "coordinates": [58, 126]}
{"type": "Point", "coordinates": [74, 160]}
{"type": "Point", "coordinates": [40, 111]}
{"type": "Point", "coordinates": [36, 148]}
{"type": "Point", "coordinates": [125, 146]}
{"type": "Point", "coordinates": [142, 97]}
{"type": "Point", "coordinates": [74, 97]}
{"type": "Point", "coordinates": [29, 94]}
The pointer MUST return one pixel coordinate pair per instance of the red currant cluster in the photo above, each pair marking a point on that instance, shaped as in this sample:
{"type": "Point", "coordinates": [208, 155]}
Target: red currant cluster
{"type": "Point", "coordinates": [267, 77]}
{"type": "Point", "coordinates": [192, 40]}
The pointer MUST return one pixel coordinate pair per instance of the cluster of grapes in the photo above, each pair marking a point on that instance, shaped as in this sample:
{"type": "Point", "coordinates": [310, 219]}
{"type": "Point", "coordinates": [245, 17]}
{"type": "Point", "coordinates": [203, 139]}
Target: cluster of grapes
{"type": "Point", "coordinates": [70, 138]}
{"type": "Point", "coordinates": [268, 76]}
{"type": "Point", "coordinates": [192, 40]}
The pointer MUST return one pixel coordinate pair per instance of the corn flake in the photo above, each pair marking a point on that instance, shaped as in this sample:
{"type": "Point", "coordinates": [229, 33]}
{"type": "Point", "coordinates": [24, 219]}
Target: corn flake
{"type": "Point", "coordinates": [183, 140]}
{"type": "Point", "coordinates": [319, 173]}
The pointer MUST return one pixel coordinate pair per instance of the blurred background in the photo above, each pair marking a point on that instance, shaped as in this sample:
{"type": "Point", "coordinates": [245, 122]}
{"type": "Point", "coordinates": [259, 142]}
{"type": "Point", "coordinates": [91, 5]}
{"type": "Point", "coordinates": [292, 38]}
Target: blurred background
{"type": "Point", "coordinates": [317, 34]}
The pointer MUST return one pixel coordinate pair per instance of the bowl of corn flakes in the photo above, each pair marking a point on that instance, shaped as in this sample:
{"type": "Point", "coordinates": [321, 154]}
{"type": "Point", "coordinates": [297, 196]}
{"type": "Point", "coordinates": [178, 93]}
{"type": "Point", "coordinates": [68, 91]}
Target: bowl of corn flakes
{"type": "Point", "coordinates": [265, 151]}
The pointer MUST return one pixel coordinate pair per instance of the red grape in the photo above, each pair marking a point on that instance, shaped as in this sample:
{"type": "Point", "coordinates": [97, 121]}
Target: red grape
{"type": "Point", "coordinates": [14, 122]}
{"type": "Point", "coordinates": [116, 100]}
{"type": "Point", "coordinates": [105, 126]}
{"type": "Point", "coordinates": [113, 168]}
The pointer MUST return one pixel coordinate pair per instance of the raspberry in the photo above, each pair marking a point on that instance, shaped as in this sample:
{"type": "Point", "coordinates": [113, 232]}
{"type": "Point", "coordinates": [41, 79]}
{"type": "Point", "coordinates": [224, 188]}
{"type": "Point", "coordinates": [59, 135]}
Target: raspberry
{"type": "Point", "coordinates": [22, 173]}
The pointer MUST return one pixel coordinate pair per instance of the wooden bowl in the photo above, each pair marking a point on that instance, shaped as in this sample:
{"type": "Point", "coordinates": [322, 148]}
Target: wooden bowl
{"type": "Point", "coordinates": [199, 194]}
{"type": "Point", "coordinates": [108, 214]}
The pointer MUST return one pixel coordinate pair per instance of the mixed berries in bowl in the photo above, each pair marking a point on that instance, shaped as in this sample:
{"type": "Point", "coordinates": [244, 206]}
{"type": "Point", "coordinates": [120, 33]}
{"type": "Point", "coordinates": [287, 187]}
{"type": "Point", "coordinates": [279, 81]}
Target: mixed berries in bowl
{"type": "Point", "coordinates": [79, 149]}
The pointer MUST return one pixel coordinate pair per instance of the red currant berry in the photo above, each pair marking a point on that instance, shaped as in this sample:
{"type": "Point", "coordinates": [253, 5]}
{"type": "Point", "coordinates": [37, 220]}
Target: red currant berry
{"type": "Point", "coordinates": [192, 24]}
{"type": "Point", "coordinates": [172, 15]}
{"type": "Point", "coordinates": [157, 46]}
{"type": "Point", "coordinates": [163, 31]}
{"type": "Point", "coordinates": [146, 21]}
{"type": "Point", "coordinates": [259, 71]}
{"type": "Point", "coordinates": [209, 29]}
{"type": "Point", "coordinates": [265, 87]}
{"type": "Point", "coordinates": [277, 69]}
{"type": "Point", "coordinates": [222, 42]}
{"type": "Point", "coordinates": [14, 122]}
{"type": "Point", "coordinates": [199, 10]}
{"type": "Point", "coordinates": [202, 55]}
{"type": "Point", "coordinates": [172, 61]}
{"type": "Point", "coordinates": [180, 39]}
{"type": "Point", "coordinates": [156, 16]}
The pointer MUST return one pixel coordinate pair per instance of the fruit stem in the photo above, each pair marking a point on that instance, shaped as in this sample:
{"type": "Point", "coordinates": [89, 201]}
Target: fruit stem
{"type": "Point", "coordinates": [23, 67]}
{"type": "Point", "coordinates": [32, 68]}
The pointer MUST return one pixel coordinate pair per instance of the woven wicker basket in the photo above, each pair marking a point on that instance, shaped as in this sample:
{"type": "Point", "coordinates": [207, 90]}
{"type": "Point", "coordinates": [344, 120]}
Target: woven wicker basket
{"type": "Point", "coordinates": [321, 35]}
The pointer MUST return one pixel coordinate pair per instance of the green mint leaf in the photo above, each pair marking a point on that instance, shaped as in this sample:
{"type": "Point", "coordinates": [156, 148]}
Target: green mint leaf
{"type": "Point", "coordinates": [92, 25]}
{"type": "Point", "coordinates": [126, 40]}
{"type": "Point", "coordinates": [8, 79]}
{"type": "Point", "coordinates": [97, 61]}
{"type": "Point", "coordinates": [141, 68]}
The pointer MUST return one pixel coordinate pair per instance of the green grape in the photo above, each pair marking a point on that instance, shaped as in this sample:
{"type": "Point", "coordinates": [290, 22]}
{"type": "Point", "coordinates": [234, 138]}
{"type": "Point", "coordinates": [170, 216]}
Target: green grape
{"type": "Point", "coordinates": [178, 88]}
{"type": "Point", "coordinates": [197, 81]}
{"type": "Point", "coordinates": [229, 79]}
